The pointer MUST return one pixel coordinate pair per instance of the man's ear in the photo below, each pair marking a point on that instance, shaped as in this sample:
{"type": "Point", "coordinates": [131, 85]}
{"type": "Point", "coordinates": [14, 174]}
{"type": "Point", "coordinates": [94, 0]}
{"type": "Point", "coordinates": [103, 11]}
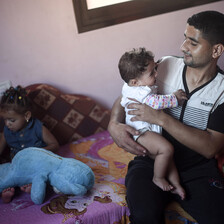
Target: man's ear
{"type": "Point", "coordinates": [28, 115]}
{"type": "Point", "coordinates": [218, 50]}
{"type": "Point", "coordinates": [133, 82]}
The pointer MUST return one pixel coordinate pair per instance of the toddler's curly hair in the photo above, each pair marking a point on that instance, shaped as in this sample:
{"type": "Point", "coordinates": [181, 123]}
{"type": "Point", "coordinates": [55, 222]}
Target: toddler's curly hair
{"type": "Point", "coordinates": [16, 99]}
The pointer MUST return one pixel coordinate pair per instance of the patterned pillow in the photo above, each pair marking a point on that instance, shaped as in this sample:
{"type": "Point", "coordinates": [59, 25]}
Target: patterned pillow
{"type": "Point", "coordinates": [68, 116]}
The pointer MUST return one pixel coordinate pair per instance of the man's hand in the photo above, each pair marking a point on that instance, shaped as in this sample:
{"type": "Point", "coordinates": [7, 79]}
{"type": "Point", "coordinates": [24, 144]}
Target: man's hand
{"type": "Point", "coordinates": [143, 112]}
{"type": "Point", "coordinates": [122, 135]}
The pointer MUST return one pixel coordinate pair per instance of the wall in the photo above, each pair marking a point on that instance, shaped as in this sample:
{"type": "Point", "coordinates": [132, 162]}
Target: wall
{"type": "Point", "coordinates": [39, 43]}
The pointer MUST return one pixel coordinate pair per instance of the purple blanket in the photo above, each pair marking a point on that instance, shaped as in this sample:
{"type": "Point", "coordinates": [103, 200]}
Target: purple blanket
{"type": "Point", "coordinates": [105, 202]}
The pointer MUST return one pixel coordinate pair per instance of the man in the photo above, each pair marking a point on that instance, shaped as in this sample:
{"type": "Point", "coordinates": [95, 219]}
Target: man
{"type": "Point", "coordinates": [196, 129]}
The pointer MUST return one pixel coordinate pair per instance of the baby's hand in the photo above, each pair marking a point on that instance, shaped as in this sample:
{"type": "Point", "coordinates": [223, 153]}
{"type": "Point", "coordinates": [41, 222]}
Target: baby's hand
{"type": "Point", "coordinates": [181, 96]}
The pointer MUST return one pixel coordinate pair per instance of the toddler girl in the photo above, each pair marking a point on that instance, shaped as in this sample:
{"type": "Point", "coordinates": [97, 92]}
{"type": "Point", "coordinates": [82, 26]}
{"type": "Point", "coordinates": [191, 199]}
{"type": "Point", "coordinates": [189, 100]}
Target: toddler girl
{"type": "Point", "coordinates": [21, 130]}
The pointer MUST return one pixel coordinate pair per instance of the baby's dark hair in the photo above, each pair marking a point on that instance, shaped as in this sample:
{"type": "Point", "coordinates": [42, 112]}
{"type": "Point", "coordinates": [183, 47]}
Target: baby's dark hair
{"type": "Point", "coordinates": [133, 63]}
{"type": "Point", "coordinates": [16, 99]}
{"type": "Point", "coordinates": [211, 24]}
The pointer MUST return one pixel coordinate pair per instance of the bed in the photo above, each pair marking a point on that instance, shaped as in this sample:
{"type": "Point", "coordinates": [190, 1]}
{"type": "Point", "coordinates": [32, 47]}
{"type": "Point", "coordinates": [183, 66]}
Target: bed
{"type": "Point", "coordinates": [80, 125]}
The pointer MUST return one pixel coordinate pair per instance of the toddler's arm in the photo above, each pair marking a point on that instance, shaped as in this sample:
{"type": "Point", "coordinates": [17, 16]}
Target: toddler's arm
{"type": "Point", "coordinates": [165, 101]}
{"type": "Point", "coordinates": [2, 143]}
{"type": "Point", "coordinates": [50, 140]}
{"type": "Point", "coordinates": [181, 96]}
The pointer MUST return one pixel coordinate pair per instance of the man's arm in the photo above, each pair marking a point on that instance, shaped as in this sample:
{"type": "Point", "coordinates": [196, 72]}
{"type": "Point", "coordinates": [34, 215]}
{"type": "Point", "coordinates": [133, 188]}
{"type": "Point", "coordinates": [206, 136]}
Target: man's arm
{"type": "Point", "coordinates": [122, 133]}
{"type": "Point", "coordinates": [207, 143]}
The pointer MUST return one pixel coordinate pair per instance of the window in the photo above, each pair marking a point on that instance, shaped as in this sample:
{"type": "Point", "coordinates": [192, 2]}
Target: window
{"type": "Point", "coordinates": [92, 4]}
{"type": "Point", "coordinates": [91, 19]}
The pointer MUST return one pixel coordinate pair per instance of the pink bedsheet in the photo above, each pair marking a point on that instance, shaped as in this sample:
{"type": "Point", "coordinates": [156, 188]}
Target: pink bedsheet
{"type": "Point", "coordinates": [101, 205]}
{"type": "Point", "coordinates": [104, 204]}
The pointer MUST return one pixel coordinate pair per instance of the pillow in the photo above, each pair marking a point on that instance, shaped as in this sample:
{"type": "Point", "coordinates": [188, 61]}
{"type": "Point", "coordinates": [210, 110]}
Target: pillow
{"type": "Point", "coordinates": [68, 116]}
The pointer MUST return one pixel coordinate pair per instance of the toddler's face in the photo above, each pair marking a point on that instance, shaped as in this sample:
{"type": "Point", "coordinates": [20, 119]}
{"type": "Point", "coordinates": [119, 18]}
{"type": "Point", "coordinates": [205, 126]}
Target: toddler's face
{"type": "Point", "coordinates": [148, 78]}
{"type": "Point", "coordinates": [14, 121]}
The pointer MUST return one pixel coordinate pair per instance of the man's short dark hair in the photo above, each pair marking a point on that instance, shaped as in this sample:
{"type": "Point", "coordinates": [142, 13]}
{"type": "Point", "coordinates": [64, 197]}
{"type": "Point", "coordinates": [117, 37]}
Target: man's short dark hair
{"type": "Point", "coordinates": [211, 24]}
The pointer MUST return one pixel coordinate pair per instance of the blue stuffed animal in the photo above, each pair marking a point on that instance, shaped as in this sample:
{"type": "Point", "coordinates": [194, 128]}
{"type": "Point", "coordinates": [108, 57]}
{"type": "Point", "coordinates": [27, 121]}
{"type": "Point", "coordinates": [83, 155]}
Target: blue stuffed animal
{"type": "Point", "coordinates": [39, 167]}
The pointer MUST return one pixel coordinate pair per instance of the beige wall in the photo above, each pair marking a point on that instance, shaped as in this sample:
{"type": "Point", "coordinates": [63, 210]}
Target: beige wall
{"type": "Point", "coordinates": [39, 43]}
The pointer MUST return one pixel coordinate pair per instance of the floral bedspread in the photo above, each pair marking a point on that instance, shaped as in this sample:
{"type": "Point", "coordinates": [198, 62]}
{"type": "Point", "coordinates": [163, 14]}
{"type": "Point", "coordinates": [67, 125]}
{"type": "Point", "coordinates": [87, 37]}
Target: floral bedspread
{"type": "Point", "coordinates": [105, 202]}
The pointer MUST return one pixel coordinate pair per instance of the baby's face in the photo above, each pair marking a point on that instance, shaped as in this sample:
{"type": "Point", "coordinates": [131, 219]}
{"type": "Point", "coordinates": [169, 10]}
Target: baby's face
{"type": "Point", "coordinates": [148, 78]}
{"type": "Point", "coordinates": [14, 121]}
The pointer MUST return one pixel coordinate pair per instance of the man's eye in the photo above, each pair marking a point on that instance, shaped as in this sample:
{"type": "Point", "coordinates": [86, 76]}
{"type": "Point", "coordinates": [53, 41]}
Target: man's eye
{"type": "Point", "coordinates": [152, 73]}
{"type": "Point", "coordinates": [193, 44]}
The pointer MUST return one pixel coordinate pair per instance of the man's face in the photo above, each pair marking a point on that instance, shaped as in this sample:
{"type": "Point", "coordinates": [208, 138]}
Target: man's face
{"type": "Point", "coordinates": [197, 50]}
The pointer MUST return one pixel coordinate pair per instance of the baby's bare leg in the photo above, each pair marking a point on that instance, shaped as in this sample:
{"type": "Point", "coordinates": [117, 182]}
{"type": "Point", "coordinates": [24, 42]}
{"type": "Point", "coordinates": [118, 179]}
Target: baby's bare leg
{"type": "Point", "coordinates": [174, 179]}
{"type": "Point", "coordinates": [7, 194]}
{"type": "Point", "coordinates": [160, 149]}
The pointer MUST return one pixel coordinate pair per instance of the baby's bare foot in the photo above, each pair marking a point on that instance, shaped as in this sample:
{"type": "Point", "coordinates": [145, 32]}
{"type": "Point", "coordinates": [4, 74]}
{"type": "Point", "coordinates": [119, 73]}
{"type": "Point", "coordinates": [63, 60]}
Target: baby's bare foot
{"type": "Point", "coordinates": [26, 188]}
{"type": "Point", "coordinates": [7, 194]}
{"type": "Point", "coordinates": [162, 183]}
{"type": "Point", "coordinates": [178, 189]}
